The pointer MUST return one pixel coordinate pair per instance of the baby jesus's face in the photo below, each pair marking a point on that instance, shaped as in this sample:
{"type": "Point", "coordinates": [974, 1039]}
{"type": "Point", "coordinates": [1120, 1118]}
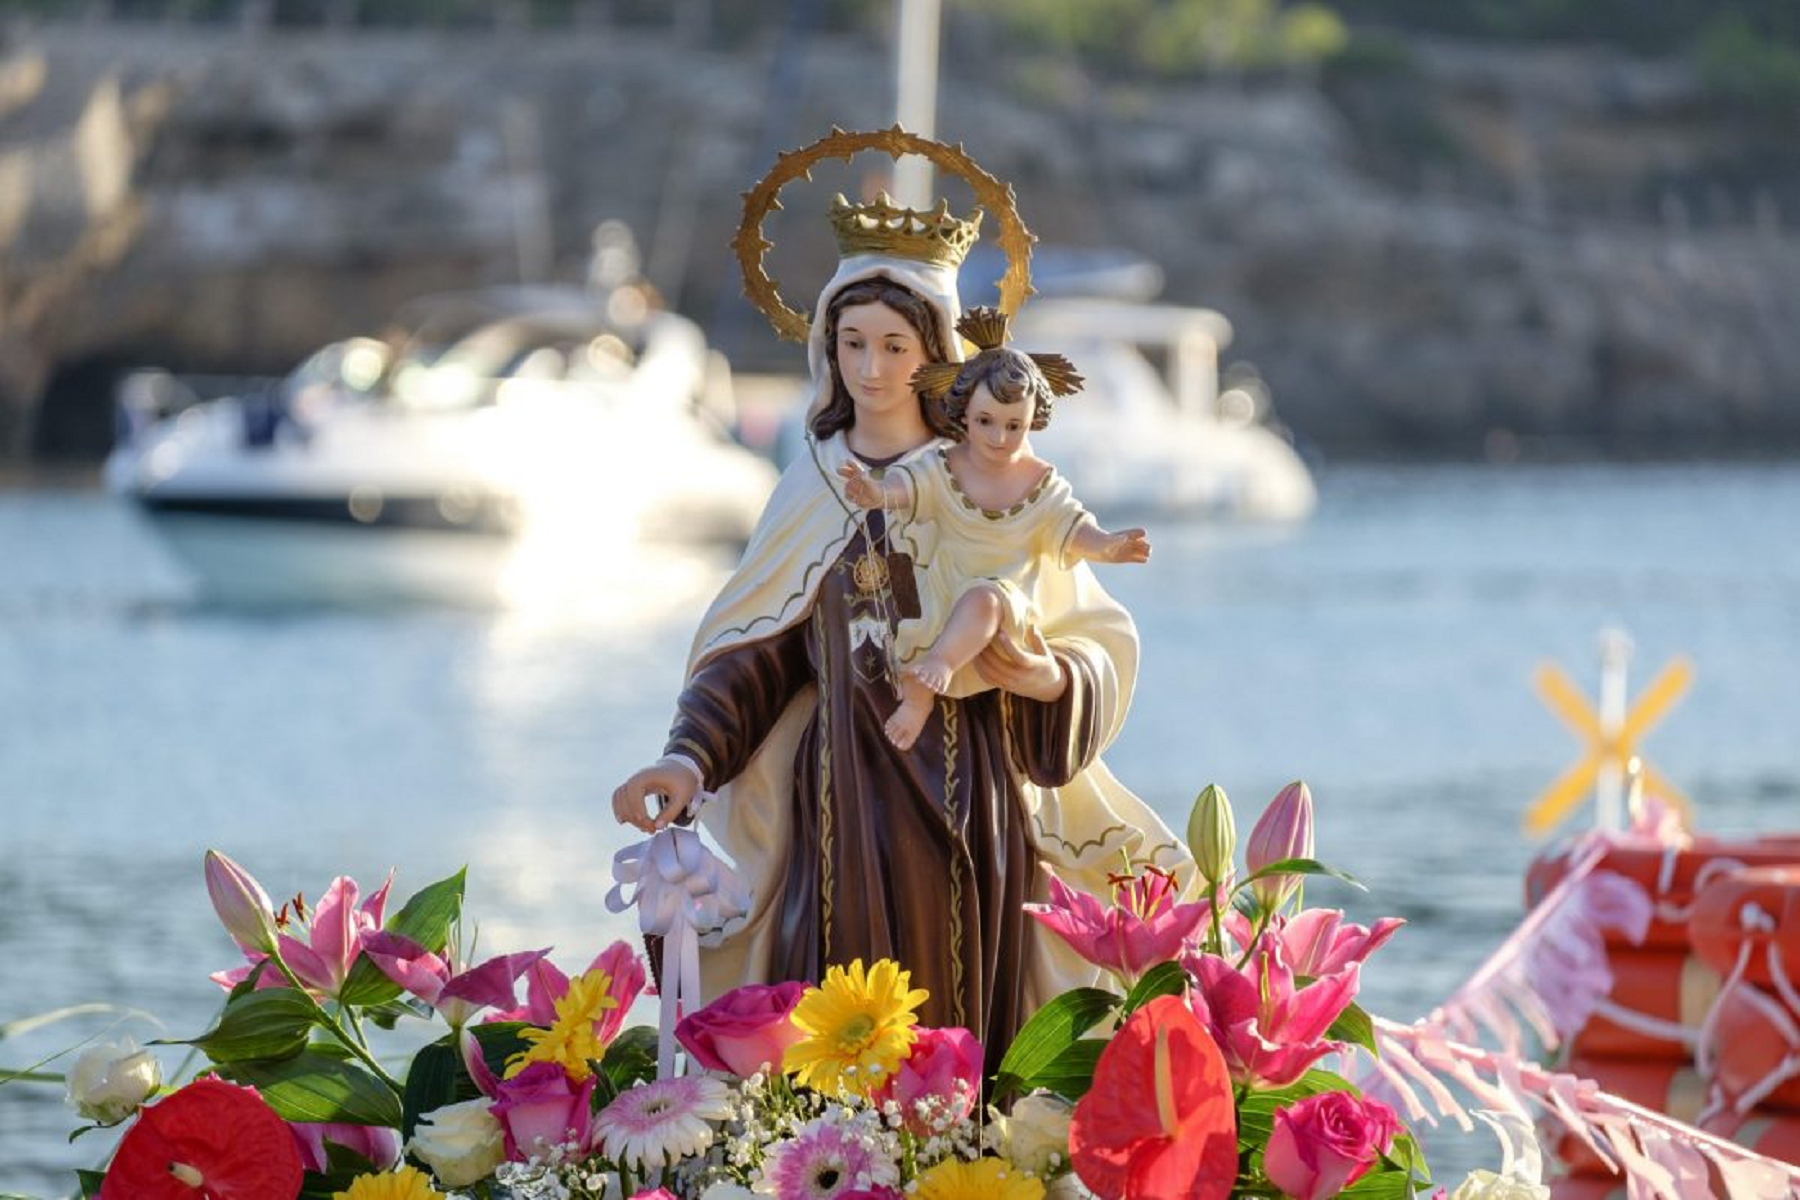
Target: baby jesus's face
{"type": "Point", "coordinates": [996, 431]}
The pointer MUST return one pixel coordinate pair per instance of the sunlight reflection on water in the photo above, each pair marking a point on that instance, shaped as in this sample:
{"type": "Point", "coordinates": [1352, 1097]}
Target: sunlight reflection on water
{"type": "Point", "coordinates": [1382, 651]}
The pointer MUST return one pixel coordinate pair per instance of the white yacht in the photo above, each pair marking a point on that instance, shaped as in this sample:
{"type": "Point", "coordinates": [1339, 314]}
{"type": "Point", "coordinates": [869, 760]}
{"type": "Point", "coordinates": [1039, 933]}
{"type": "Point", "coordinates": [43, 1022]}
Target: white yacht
{"type": "Point", "coordinates": [426, 466]}
{"type": "Point", "coordinates": [1157, 429]}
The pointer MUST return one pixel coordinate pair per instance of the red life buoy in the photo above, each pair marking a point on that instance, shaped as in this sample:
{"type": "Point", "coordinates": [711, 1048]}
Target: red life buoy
{"type": "Point", "coordinates": [1754, 910]}
{"type": "Point", "coordinates": [1750, 1050]}
{"type": "Point", "coordinates": [1654, 1010]}
{"type": "Point", "coordinates": [1776, 1135]}
{"type": "Point", "coordinates": [1671, 875]}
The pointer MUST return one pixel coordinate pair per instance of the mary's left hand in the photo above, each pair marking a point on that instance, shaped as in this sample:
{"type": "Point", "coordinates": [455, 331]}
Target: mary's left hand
{"type": "Point", "coordinates": [1025, 669]}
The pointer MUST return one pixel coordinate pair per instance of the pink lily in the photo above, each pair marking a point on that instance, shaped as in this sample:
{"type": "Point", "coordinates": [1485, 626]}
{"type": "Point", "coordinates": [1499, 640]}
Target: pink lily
{"type": "Point", "coordinates": [1270, 1032]}
{"type": "Point", "coordinates": [335, 933]}
{"type": "Point", "coordinates": [241, 903]}
{"type": "Point", "coordinates": [1142, 927]}
{"type": "Point", "coordinates": [378, 1145]}
{"type": "Point", "coordinates": [456, 991]}
{"type": "Point", "coordinates": [1318, 941]}
{"type": "Point", "coordinates": [545, 985]}
{"type": "Point", "coordinates": [1285, 830]}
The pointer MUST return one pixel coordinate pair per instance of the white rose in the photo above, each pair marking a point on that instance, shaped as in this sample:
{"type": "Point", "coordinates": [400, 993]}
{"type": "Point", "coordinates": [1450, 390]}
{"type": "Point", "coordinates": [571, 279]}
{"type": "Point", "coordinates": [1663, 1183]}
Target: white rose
{"type": "Point", "coordinates": [1037, 1129]}
{"type": "Point", "coordinates": [1068, 1187]}
{"type": "Point", "coordinates": [726, 1190]}
{"type": "Point", "coordinates": [111, 1081]}
{"type": "Point", "coordinates": [461, 1143]}
{"type": "Point", "coordinates": [1486, 1185]}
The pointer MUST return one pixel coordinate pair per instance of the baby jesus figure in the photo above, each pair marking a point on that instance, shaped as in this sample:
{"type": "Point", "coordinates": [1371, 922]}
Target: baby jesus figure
{"type": "Point", "coordinates": [1001, 512]}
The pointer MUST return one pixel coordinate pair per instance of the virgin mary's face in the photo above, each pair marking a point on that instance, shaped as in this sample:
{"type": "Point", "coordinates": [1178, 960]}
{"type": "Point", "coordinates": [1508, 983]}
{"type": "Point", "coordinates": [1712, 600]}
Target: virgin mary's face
{"type": "Point", "coordinates": [877, 352]}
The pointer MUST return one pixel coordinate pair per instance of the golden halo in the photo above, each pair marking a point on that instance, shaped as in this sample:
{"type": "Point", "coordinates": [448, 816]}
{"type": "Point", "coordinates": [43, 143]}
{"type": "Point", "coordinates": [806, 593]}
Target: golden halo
{"type": "Point", "coordinates": [991, 194]}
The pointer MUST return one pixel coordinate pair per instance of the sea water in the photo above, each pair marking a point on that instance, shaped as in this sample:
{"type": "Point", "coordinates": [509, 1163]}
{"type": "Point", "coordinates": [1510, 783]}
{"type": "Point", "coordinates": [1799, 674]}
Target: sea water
{"type": "Point", "coordinates": [1382, 651]}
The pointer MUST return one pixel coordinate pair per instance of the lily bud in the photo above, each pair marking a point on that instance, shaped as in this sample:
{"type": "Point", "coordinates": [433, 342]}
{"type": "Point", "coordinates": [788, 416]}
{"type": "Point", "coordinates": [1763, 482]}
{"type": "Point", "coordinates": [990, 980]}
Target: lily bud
{"type": "Point", "coordinates": [1285, 830]}
{"type": "Point", "coordinates": [1212, 834]}
{"type": "Point", "coordinates": [241, 903]}
{"type": "Point", "coordinates": [111, 1081]}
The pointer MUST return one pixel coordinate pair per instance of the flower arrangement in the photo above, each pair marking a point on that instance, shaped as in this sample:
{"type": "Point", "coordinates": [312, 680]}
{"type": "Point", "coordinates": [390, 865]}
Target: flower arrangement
{"type": "Point", "coordinates": [1202, 1071]}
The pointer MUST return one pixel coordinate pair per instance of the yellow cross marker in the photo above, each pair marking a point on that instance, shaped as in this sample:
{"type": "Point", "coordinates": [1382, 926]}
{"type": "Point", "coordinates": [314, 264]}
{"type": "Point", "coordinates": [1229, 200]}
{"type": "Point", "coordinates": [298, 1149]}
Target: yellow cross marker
{"type": "Point", "coordinates": [1610, 744]}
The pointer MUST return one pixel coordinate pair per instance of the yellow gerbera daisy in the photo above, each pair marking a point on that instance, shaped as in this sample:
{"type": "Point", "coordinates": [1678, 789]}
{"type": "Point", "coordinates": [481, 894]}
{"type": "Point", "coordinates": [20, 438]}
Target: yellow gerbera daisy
{"type": "Point", "coordinates": [570, 1040]}
{"type": "Point", "coordinates": [859, 1027]}
{"type": "Point", "coordinates": [408, 1183]}
{"type": "Point", "coordinates": [983, 1179]}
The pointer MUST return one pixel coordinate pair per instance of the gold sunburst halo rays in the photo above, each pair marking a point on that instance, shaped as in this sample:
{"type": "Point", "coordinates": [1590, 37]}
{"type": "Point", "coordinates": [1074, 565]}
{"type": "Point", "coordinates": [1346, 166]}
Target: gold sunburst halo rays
{"type": "Point", "coordinates": [859, 1026]}
{"type": "Point", "coordinates": [992, 194]}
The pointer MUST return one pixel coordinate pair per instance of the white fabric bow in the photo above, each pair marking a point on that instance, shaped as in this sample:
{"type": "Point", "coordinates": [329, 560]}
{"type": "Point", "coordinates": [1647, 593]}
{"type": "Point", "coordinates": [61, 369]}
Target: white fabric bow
{"type": "Point", "coordinates": [684, 894]}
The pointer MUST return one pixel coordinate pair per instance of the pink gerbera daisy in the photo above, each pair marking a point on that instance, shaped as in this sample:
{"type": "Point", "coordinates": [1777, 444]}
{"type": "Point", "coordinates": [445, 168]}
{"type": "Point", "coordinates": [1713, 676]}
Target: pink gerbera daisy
{"type": "Point", "coordinates": [824, 1160]}
{"type": "Point", "coordinates": [659, 1123]}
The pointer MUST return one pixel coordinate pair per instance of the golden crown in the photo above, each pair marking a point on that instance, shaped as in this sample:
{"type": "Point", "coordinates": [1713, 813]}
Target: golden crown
{"type": "Point", "coordinates": [884, 227]}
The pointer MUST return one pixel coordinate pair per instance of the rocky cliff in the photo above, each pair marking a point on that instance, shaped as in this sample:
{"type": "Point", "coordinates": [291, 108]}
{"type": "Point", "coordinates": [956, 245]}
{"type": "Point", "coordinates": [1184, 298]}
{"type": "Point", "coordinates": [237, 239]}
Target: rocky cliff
{"type": "Point", "coordinates": [1450, 250]}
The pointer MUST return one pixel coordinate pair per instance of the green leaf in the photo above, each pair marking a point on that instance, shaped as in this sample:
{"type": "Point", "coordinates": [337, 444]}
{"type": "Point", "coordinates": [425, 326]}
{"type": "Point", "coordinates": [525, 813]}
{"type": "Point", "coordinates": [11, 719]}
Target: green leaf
{"type": "Point", "coordinates": [1354, 1026]}
{"type": "Point", "coordinates": [426, 918]}
{"type": "Point", "coordinates": [1406, 1156]}
{"type": "Point", "coordinates": [388, 1015]}
{"type": "Point", "coordinates": [316, 1087]}
{"type": "Point", "coordinates": [631, 1059]}
{"type": "Point", "coordinates": [1071, 1073]}
{"type": "Point", "coordinates": [25, 1025]}
{"type": "Point", "coordinates": [435, 1078]}
{"type": "Point", "coordinates": [499, 1041]}
{"type": "Point", "coordinates": [1164, 979]}
{"type": "Point", "coordinates": [1301, 866]}
{"type": "Point", "coordinates": [1382, 1185]}
{"type": "Point", "coordinates": [341, 1170]}
{"type": "Point", "coordinates": [1051, 1031]}
{"type": "Point", "coordinates": [438, 1075]}
{"type": "Point", "coordinates": [270, 1024]}
{"type": "Point", "coordinates": [248, 983]}
{"type": "Point", "coordinates": [90, 1181]}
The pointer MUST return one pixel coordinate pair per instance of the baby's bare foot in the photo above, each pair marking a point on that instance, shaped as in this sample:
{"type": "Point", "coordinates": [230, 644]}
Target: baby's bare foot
{"type": "Point", "coordinates": [933, 672]}
{"type": "Point", "coordinates": [903, 727]}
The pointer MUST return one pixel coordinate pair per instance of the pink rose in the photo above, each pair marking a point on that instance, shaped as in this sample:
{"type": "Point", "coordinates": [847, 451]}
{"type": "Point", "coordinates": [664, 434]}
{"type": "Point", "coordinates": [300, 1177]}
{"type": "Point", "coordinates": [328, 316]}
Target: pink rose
{"type": "Point", "coordinates": [538, 1108]}
{"type": "Point", "coordinates": [940, 1060]}
{"type": "Point", "coordinates": [655, 1194]}
{"type": "Point", "coordinates": [1324, 1143]}
{"type": "Point", "coordinates": [744, 1031]}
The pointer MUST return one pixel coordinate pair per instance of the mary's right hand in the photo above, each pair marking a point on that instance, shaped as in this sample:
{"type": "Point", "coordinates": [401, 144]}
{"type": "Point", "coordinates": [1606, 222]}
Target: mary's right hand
{"type": "Point", "coordinates": [671, 780]}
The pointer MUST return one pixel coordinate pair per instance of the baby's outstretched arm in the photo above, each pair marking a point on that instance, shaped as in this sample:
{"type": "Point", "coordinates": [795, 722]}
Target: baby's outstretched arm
{"type": "Point", "coordinates": [864, 489]}
{"type": "Point", "coordinates": [1095, 544]}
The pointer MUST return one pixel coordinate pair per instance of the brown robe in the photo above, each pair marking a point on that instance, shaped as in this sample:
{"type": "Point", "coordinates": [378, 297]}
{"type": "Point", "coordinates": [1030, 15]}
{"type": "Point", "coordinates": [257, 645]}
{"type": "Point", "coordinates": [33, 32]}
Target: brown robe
{"type": "Point", "coordinates": [921, 856]}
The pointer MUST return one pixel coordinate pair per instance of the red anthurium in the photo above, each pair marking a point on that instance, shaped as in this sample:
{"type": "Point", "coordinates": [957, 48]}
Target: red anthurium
{"type": "Point", "coordinates": [211, 1140]}
{"type": "Point", "coordinates": [1160, 1122]}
